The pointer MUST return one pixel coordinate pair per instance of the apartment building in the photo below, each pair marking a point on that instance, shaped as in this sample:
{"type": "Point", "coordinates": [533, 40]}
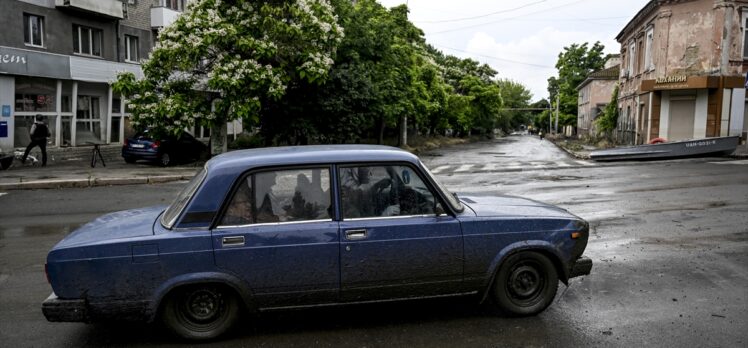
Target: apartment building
{"type": "Point", "coordinates": [682, 71]}
{"type": "Point", "coordinates": [59, 57]}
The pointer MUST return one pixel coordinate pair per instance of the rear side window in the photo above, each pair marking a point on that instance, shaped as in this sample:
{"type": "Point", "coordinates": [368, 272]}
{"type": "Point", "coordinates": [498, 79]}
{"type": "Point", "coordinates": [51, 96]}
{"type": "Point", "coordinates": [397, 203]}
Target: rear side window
{"type": "Point", "coordinates": [280, 196]}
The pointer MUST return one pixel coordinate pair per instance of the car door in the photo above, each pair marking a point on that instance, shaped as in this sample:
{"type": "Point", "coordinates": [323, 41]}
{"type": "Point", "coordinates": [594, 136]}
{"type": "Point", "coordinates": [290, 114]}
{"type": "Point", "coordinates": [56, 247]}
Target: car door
{"type": "Point", "coordinates": [277, 234]}
{"type": "Point", "coordinates": [396, 241]}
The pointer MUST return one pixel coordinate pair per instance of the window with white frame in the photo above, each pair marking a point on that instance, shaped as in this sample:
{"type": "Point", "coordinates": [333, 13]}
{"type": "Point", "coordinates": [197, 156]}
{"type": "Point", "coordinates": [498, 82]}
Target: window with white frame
{"type": "Point", "coordinates": [648, 62]}
{"type": "Point", "coordinates": [745, 35]}
{"type": "Point", "coordinates": [87, 40]}
{"type": "Point", "coordinates": [131, 49]}
{"type": "Point", "coordinates": [632, 57]}
{"type": "Point", "coordinates": [33, 30]}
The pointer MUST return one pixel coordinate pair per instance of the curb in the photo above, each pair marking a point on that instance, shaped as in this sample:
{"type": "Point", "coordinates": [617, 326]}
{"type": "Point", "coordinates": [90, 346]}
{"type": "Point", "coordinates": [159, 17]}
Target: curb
{"type": "Point", "coordinates": [93, 182]}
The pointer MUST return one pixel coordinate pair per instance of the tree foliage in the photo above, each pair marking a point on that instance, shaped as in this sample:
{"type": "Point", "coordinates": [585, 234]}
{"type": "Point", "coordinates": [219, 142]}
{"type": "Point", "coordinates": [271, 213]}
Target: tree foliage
{"type": "Point", "coordinates": [606, 123]}
{"type": "Point", "coordinates": [574, 64]}
{"type": "Point", "coordinates": [286, 69]}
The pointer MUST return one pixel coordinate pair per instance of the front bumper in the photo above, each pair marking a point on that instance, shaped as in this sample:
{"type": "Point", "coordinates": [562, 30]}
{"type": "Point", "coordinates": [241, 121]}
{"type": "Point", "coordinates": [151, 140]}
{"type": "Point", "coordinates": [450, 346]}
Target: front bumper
{"type": "Point", "coordinates": [56, 309]}
{"type": "Point", "coordinates": [581, 267]}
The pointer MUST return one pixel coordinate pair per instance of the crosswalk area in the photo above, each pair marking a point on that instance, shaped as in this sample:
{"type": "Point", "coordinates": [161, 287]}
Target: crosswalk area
{"type": "Point", "coordinates": [508, 166]}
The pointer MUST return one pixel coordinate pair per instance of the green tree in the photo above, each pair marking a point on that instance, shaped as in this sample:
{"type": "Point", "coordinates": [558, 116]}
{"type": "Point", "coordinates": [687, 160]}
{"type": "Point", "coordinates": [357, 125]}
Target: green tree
{"type": "Point", "coordinates": [606, 123]}
{"type": "Point", "coordinates": [574, 64]}
{"type": "Point", "coordinates": [514, 95]}
{"type": "Point", "coordinates": [220, 60]}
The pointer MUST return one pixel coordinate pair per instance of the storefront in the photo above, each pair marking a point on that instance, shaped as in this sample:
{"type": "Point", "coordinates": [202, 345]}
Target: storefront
{"type": "Point", "coordinates": [688, 107]}
{"type": "Point", "coordinates": [74, 93]}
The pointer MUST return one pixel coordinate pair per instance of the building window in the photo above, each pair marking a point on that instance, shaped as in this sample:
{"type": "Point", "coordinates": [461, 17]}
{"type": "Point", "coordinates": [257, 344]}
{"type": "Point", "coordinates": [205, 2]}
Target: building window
{"type": "Point", "coordinates": [176, 5]}
{"type": "Point", "coordinates": [745, 35]}
{"type": "Point", "coordinates": [648, 62]}
{"type": "Point", "coordinates": [632, 56]}
{"type": "Point", "coordinates": [33, 30]}
{"type": "Point", "coordinates": [131, 48]}
{"type": "Point", "coordinates": [87, 40]}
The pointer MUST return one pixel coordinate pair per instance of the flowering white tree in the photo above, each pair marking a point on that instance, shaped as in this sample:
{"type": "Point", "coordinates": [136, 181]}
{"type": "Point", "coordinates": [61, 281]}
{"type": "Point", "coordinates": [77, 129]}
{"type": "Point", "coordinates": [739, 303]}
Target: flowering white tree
{"type": "Point", "coordinates": [219, 59]}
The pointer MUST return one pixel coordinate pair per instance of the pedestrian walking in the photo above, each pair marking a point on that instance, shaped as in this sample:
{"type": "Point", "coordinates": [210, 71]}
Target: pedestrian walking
{"type": "Point", "coordinates": [39, 134]}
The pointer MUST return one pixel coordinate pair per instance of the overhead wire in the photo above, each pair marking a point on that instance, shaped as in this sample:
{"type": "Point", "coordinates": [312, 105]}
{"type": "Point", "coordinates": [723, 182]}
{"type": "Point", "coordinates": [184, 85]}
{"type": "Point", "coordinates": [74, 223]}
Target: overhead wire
{"type": "Point", "coordinates": [482, 16]}
{"type": "Point", "coordinates": [503, 19]}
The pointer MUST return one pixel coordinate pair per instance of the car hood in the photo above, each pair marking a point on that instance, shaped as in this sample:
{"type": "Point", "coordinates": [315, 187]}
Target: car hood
{"type": "Point", "coordinates": [117, 225]}
{"type": "Point", "coordinates": [499, 206]}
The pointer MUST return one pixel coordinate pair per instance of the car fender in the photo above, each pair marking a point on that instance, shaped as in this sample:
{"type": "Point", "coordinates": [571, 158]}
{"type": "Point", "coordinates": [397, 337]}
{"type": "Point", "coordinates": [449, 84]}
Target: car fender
{"type": "Point", "coordinates": [241, 288]}
{"type": "Point", "coordinates": [530, 245]}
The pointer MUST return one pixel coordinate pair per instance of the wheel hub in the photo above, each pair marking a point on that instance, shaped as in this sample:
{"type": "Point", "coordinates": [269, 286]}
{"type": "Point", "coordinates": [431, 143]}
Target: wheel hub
{"type": "Point", "coordinates": [203, 305]}
{"type": "Point", "coordinates": [524, 281]}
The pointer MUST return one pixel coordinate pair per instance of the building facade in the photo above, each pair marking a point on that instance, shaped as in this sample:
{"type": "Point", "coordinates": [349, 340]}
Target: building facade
{"type": "Point", "coordinates": [58, 58]}
{"type": "Point", "coordinates": [682, 71]}
{"type": "Point", "coordinates": [594, 95]}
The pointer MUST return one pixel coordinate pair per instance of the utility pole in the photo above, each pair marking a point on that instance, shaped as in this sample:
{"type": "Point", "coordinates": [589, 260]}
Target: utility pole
{"type": "Point", "coordinates": [558, 101]}
{"type": "Point", "coordinates": [550, 114]}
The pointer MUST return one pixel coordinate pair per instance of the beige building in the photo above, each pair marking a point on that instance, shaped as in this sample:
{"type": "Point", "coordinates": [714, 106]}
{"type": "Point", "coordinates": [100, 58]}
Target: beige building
{"type": "Point", "coordinates": [682, 74]}
{"type": "Point", "coordinates": [594, 95]}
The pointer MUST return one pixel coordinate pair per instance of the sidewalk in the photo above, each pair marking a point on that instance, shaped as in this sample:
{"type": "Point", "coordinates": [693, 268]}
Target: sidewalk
{"type": "Point", "coordinates": [78, 173]}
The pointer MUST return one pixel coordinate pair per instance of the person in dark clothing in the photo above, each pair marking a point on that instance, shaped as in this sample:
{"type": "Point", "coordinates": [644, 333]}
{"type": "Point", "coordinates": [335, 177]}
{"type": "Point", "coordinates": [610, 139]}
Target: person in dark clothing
{"type": "Point", "coordinates": [39, 134]}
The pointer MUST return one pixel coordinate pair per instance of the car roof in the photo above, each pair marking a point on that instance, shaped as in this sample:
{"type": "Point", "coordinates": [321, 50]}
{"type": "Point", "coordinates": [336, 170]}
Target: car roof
{"type": "Point", "coordinates": [308, 154]}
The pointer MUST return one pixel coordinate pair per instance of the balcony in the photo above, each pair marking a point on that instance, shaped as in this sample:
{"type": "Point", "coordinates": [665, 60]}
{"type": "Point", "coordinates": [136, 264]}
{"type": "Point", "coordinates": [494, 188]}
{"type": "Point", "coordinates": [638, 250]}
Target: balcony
{"type": "Point", "coordinates": [163, 16]}
{"type": "Point", "coordinates": [105, 8]}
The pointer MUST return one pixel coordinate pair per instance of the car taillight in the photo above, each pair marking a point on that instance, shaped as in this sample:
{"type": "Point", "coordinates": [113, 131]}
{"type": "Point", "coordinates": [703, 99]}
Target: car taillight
{"type": "Point", "coordinates": [127, 142]}
{"type": "Point", "coordinates": [156, 144]}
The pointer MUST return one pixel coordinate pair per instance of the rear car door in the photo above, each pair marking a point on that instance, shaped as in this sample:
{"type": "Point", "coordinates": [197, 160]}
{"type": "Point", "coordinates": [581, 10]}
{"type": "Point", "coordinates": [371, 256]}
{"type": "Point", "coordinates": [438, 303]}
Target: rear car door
{"type": "Point", "coordinates": [277, 234]}
{"type": "Point", "coordinates": [396, 241]}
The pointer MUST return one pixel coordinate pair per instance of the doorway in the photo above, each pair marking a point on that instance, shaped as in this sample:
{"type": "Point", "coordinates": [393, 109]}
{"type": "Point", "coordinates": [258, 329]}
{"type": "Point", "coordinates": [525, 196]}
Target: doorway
{"type": "Point", "coordinates": [682, 115]}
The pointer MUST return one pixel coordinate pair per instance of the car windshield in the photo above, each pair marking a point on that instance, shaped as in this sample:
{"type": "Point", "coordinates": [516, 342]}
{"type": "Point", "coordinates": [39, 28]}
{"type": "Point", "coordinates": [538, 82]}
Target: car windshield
{"type": "Point", "coordinates": [172, 212]}
{"type": "Point", "coordinates": [451, 198]}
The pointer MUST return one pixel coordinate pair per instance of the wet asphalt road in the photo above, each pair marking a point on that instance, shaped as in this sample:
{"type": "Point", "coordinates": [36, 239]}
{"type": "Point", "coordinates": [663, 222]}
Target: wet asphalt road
{"type": "Point", "coordinates": [669, 241]}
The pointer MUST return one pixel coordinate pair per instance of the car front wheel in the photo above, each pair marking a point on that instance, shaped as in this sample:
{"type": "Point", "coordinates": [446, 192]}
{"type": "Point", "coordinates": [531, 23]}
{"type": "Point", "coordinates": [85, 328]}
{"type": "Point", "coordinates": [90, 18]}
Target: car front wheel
{"type": "Point", "coordinates": [525, 284]}
{"type": "Point", "coordinates": [201, 312]}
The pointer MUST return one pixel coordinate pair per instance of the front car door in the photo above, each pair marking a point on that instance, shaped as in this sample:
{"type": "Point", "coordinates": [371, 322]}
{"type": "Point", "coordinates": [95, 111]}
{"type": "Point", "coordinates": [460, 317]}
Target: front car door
{"type": "Point", "coordinates": [277, 233]}
{"type": "Point", "coordinates": [396, 241]}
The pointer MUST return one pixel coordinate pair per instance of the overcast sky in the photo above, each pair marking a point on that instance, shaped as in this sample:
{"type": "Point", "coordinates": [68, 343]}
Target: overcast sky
{"type": "Point", "coordinates": [521, 39]}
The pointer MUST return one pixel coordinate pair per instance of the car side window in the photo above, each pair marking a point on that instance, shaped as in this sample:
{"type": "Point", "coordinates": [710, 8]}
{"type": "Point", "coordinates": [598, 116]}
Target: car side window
{"type": "Point", "coordinates": [375, 191]}
{"type": "Point", "coordinates": [281, 196]}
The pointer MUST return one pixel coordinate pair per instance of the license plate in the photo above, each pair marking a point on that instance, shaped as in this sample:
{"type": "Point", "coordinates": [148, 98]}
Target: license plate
{"type": "Point", "coordinates": [137, 146]}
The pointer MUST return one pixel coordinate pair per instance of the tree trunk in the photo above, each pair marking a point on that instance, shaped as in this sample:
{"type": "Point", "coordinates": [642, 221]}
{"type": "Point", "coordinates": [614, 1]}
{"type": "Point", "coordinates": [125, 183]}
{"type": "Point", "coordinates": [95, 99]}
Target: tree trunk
{"type": "Point", "coordinates": [218, 143]}
{"type": "Point", "coordinates": [403, 139]}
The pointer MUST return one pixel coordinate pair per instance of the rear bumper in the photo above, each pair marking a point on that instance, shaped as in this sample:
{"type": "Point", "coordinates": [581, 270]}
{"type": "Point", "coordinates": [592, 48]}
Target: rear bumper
{"type": "Point", "coordinates": [56, 309]}
{"type": "Point", "coordinates": [581, 267]}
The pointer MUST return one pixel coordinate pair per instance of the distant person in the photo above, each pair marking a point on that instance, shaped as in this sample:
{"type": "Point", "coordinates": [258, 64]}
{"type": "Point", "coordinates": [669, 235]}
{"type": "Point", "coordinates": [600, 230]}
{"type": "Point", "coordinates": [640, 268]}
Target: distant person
{"type": "Point", "coordinates": [39, 133]}
{"type": "Point", "coordinates": [541, 135]}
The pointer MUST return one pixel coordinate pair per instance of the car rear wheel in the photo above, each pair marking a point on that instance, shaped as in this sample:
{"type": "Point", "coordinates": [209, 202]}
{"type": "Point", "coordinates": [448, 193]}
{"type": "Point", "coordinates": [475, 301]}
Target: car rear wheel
{"type": "Point", "coordinates": [129, 160]}
{"type": "Point", "coordinates": [525, 284]}
{"type": "Point", "coordinates": [165, 159]}
{"type": "Point", "coordinates": [201, 312]}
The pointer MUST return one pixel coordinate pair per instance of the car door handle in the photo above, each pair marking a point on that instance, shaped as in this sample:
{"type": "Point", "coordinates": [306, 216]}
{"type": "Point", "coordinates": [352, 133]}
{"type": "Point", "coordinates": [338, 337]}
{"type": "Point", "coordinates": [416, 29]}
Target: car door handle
{"type": "Point", "coordinates": [233, 241]}
{"type": "Point", "coordinates": [355, 234]}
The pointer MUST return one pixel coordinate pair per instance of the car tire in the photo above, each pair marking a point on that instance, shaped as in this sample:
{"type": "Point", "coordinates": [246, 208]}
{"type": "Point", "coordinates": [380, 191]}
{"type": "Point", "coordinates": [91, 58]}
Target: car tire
{"type": "Point", "coordinates": [165, 159]}
{"type": "Point", "coordinates": [525, 284]}
{"type": "Point", "coordinates": [201, 312]}
{"type": "Point", "coordinates": [129, 160]}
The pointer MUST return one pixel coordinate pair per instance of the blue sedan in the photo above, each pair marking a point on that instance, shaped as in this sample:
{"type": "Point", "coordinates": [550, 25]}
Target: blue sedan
{"type": "Point", "coordinates": [294, 227]}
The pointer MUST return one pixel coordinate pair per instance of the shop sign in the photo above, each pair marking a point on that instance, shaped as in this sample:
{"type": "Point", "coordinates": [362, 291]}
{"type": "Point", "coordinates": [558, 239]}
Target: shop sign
{"type": "Point", "coordinates": [12, 59]}
{"type": "Point", "coordinates": [6, 110]}
{"type": "Point", "coordinates": [671, 79]}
